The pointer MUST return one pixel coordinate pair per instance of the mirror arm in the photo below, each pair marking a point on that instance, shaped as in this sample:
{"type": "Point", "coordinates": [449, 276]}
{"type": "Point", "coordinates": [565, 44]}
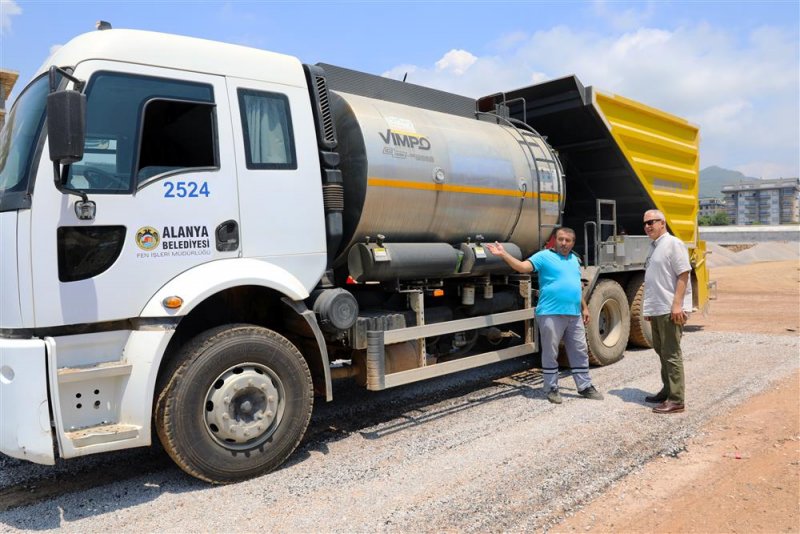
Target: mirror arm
{"type": "Point", "coordinates": [53, 76]}
{"type": "Point", "coordinates": [61, 178]}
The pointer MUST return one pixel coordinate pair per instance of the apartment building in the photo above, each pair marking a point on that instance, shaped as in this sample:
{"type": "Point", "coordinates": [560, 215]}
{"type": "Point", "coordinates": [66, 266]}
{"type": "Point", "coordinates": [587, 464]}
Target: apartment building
{"type": "Point", "coordinates": [710, 206]}
{"type": "Point", "coordinates": [763, 201]}
{"type": "Point", "coordinates": [7, 80]}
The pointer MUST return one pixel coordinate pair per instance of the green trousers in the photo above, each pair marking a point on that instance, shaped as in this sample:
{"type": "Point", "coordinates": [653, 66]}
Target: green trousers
{"type": "Point", "coordinates": [667, 344]}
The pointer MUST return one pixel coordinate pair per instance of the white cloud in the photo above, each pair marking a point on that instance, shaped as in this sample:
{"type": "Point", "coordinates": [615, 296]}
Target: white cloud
{"type": "Point", "coordinates": [401, 71]}
{"type": "Point", "coordinates": [742, 90]}
{"type": "Point", "coordinates": [509, 40]}
{"type": "Point", "coordinates": [538, 77]}
{"type": "Point", "coordinates": [456, 61]}
{"type": "Point", "coordinates": [624, 19]}
{"type": "Point", "coordinates": [8, 9]}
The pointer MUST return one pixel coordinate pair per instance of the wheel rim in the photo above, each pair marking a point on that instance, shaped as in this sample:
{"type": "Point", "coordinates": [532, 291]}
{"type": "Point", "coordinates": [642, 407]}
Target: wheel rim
{"type": "Point", "coordinates": [244, 406]}
{"type": "Point", "coordinates": [610, 323]}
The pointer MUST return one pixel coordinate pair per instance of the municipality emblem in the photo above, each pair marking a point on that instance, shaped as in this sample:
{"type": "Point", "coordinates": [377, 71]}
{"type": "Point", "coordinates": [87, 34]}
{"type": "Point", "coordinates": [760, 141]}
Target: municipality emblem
{"type": "Point", "coordinates": [147, 238]}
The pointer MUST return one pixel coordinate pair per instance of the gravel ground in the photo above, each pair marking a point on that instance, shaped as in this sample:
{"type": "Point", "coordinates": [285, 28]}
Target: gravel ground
{"type": "Point", "coordinates": [480, 451]}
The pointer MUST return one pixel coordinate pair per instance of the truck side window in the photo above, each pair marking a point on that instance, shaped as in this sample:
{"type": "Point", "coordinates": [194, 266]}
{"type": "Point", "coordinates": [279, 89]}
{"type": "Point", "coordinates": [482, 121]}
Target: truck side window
{"type": "Point", "coordinates": [140, 126]}
{"type": "Point", "coordinates": [176, 135]}
{"type": "Point", "coordinates": [267, 125]}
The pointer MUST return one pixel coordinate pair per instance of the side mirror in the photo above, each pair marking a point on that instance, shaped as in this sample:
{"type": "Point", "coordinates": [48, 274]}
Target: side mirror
{"type": "Point", "coordinates": [66, 126]}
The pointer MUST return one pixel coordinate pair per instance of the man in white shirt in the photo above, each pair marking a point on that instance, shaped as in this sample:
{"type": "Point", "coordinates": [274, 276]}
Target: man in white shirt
{"type": "Point", "coordinates": [667, 303]}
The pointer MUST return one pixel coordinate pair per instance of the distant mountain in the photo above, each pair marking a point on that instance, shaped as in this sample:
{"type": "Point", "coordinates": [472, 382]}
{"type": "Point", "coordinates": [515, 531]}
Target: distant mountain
{"type": "Point", "coordinates": [713, 179]}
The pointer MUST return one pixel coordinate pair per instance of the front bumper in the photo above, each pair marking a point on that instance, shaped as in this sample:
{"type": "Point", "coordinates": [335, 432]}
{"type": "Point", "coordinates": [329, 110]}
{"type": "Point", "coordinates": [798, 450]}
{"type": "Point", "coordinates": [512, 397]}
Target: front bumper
{"type": "Point", "coordinates": [25, 430]}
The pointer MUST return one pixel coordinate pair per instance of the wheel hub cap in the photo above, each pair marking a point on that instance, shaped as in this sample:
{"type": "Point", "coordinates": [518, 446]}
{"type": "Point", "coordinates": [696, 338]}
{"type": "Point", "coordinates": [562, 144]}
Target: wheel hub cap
{"type": "Point", "coordinates": [243, 405]}
{"type": "Point", "coordinates": [610, 323]}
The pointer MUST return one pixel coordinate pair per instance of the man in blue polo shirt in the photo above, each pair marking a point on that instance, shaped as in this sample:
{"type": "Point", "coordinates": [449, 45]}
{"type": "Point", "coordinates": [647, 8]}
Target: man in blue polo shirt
{"type": "Point", "coordinates": [560, 313]}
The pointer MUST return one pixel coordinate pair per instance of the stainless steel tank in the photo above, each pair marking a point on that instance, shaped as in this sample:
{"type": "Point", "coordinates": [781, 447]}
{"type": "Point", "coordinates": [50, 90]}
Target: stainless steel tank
{"type": "Point", "coordinates": [415, 175]}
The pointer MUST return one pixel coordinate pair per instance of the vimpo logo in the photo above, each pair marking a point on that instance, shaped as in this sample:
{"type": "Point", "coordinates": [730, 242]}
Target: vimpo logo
{"type": "Point", "coordinates": [405, 139]}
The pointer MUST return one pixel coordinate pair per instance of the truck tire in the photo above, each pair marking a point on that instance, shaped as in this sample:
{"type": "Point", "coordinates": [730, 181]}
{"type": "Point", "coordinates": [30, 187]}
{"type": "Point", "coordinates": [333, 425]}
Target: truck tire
{"type": "Point", "coordinates": [235, 403]}
{"type": "Point", "coordinates": [609, 323]}
{"type": "Point", "coordinates": [641, 332]}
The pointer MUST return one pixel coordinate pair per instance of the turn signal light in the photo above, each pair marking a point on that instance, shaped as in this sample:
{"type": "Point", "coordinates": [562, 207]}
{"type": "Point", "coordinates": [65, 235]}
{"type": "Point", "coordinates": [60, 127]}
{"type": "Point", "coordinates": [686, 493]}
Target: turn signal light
{"type": "Point", "coordinates": [438, 292]}
{"type": "Point", "coordinates": [173, 303]}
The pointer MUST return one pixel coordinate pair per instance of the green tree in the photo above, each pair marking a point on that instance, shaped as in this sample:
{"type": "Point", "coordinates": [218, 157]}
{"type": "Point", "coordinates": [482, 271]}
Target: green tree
{"type": "Point", "coordinates": [719, 219]}
{"type": "Point", "coordinates": [704, 220]}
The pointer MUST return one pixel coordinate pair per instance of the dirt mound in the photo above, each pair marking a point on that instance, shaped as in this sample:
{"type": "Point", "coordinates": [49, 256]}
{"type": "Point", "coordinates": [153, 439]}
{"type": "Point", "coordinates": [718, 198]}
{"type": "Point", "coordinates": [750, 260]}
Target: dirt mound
{"type": "Point", "coordinates": [769, 251]}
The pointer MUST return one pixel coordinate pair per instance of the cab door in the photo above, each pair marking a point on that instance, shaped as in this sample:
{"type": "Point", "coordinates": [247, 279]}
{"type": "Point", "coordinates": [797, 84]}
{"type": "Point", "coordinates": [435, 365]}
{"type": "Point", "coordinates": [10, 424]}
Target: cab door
{"type": "Point", "coordinates": [279, 184]}
{"type": "Point", "coordinates": [160, 168]}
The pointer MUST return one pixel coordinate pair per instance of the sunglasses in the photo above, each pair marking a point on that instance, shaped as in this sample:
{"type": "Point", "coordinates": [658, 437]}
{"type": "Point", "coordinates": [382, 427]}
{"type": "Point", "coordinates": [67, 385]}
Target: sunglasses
{"type": "Point", "coordinates": [651, 222]}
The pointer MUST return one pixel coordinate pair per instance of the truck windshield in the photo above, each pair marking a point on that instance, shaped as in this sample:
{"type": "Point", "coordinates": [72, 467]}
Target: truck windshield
{"type": "Point", "coordinates": [18, 141]}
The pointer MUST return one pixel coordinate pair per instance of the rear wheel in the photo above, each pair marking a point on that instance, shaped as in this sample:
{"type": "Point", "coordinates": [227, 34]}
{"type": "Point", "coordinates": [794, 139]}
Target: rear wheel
{"type": "Point", "coordinates": [236, 403]}
{"type": "Point", "coordinates": [641, 331]}
{"type": "Point", "coordinates": [609, 323]}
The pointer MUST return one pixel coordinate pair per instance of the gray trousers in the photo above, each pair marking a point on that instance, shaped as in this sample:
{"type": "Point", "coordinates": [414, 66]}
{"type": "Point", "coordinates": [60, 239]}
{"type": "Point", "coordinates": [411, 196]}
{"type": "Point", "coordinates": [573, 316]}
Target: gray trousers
{"type": "Point", "coordinates": [552, 328]}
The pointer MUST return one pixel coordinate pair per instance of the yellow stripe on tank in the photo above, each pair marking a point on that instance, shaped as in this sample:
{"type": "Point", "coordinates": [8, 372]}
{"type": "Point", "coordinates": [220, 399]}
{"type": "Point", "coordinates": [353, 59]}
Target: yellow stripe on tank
{"type": "Point", "coordinates": [468, 189]}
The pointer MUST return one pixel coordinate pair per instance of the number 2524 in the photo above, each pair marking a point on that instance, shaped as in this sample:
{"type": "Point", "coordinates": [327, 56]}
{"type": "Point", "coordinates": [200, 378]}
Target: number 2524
{"type": "Point", "coordinates": [185, 189]}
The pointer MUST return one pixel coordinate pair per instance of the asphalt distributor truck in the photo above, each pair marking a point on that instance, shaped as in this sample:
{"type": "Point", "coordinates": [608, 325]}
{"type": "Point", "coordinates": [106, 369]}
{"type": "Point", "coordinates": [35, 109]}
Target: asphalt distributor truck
{"type": "Point", "coordinates": [199, 238]}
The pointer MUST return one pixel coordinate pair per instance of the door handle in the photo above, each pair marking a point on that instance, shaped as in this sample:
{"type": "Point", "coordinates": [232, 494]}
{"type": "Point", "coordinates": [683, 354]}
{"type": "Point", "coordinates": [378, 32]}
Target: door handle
{"type": "Point", "coordinates": [227, 236]}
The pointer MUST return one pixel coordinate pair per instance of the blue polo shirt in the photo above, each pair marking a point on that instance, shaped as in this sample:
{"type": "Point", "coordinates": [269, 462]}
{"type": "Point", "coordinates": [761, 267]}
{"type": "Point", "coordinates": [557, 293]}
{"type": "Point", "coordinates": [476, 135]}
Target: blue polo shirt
{"type": "Point", "coordinates": [559, 283]}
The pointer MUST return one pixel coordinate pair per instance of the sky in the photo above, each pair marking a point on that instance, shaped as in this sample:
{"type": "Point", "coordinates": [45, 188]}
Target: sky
{"type": "Point", "coordinates": [730, 67]}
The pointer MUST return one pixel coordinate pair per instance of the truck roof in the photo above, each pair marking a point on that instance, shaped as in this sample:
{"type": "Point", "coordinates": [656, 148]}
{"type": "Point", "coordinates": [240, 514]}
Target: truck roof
{"type": "Point", "coordinates": [178, 52]}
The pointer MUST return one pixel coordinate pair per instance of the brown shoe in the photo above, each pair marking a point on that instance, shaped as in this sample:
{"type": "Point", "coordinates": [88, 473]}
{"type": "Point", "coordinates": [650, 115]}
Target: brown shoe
{"type": "Point", "coordinates": [669, 406]}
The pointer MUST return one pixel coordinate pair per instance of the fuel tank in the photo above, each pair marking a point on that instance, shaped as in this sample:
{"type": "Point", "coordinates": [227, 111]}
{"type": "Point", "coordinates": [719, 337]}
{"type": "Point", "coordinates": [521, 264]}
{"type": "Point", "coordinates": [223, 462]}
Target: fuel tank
{"type": "Point", "coordinates": [421, 176]}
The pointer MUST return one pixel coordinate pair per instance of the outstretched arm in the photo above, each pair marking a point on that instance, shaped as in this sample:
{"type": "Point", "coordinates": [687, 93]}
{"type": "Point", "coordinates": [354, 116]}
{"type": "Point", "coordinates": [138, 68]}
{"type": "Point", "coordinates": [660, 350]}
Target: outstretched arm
{"type": "Point", "coordinates": [519, 266]}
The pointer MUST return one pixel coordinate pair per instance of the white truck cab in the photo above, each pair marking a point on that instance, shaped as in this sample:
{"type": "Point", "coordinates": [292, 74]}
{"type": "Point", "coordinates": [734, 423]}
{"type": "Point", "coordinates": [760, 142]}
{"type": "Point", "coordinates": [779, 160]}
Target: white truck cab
{"type": "Point", "coordinates": [201, 166]}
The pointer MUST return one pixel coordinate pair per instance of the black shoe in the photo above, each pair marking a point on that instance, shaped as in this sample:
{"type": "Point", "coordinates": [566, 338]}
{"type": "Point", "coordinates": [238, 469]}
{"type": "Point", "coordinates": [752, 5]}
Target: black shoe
{"type": "Point", "coordinates": [658, 397]}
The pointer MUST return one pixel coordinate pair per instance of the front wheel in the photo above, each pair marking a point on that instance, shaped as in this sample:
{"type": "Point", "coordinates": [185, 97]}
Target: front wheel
{"type": "Point", "coordinates": [236, 402]}
{"type": "Point", "coordinates": [610, 323]}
